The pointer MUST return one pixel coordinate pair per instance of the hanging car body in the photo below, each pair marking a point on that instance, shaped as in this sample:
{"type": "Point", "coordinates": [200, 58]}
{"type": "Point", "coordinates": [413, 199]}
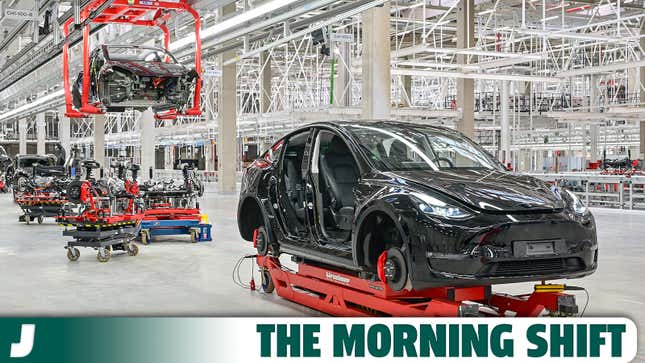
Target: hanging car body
{"type": "Point", "coordinates": [137, 77]}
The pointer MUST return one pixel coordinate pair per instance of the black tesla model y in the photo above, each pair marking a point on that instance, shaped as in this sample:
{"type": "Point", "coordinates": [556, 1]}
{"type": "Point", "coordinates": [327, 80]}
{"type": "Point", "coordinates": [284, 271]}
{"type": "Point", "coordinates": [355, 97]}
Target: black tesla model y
{"type": "Point", "coordinates": [413, 205]}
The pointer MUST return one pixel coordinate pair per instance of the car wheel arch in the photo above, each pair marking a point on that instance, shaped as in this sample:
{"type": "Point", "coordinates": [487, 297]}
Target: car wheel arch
{"type": "Point", "coordinates": [251, 215]}
{"type": "Point", "coordinates": [363, 225]}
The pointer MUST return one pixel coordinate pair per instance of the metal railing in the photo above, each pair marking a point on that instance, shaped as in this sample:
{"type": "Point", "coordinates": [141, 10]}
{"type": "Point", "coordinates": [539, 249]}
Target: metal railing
{"type": "Point", "coordinates": [614, 191]}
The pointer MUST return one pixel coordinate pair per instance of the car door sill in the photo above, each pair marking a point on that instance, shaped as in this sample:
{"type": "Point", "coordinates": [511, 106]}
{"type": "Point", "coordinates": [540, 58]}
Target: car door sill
{"type": "Point", "coordinates": [319, 257]}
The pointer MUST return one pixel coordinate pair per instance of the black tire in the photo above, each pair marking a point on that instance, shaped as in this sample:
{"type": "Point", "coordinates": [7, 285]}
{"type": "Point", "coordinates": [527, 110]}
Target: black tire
{"type": "Point", "coordinates": [267, 281]}
{"type": "Point", "coordinates": [41, 219]}
{"type": "Point", "coordinates": [395, 269]}
{"type": "Point", "coordinates": [262, 241]}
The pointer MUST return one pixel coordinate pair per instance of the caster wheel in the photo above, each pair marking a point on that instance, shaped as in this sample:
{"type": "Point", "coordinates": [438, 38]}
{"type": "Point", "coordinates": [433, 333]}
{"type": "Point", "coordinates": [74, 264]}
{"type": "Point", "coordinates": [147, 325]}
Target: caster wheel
{"type": "Point", "coordinates": [104, 254]}
{"type": "Point", "coordinates": [267, 282]}
{"type": "Point", "coordinates": [261, 241]}
{"type": "Point", "coordinates": [132, 249]}
{"type": "Point", "coordinates": [144, 238]}
{"type": "Point", "coordinates": [73, 254]}
{"type": "Point", "coordinates": [40, 219]}
{"type": "Point", "coordinates": [392, 269]}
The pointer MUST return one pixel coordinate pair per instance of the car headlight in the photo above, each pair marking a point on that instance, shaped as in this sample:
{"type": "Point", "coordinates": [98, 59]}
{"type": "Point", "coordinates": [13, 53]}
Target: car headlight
{"type": "Point", "coordinates": [576, 204]}
{"type": "Point", "coordinates": [436, 207]}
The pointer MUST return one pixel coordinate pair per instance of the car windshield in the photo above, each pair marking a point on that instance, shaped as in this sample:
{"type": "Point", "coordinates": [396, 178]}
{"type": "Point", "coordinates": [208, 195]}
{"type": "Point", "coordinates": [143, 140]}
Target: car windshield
{"type": "Point", "coordinates": [29, 162]}
{"type": "Point", "coordinates": [145, 54]}
{"type": "Point", "coordinates": [398, 148]}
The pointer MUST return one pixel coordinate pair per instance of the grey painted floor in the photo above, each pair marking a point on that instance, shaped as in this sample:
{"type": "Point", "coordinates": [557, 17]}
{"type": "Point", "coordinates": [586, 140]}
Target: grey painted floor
{"type": "Point", "coordinates": [180, 278]}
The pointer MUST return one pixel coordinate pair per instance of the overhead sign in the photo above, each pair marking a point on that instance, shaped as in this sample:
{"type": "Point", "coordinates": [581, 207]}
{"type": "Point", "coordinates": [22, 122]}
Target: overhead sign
{"type": "Point", "coordinates": [19, 14]}
{"type": "Point", "coordinates": [342, 37]}
{"type": "Point", "coordinates": [212, 72]}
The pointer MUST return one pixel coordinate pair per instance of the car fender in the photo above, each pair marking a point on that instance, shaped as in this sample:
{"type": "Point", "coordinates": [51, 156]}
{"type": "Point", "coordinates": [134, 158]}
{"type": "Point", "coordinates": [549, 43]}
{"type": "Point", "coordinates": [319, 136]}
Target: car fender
{"type": "Point", "coordinates": [378, 205]}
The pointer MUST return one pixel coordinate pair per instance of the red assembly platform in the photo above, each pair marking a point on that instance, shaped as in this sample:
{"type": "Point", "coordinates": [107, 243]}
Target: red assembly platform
{"type": "Point", "coordinates": [347, 295]}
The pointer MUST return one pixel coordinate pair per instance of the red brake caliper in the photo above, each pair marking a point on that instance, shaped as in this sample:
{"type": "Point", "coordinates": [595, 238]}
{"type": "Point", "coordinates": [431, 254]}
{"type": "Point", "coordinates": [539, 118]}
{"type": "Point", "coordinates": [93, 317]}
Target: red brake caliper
{"type": "Point", "coordinates": [380, 266]}
{"type": "Point", "coordinates": [255, 238]}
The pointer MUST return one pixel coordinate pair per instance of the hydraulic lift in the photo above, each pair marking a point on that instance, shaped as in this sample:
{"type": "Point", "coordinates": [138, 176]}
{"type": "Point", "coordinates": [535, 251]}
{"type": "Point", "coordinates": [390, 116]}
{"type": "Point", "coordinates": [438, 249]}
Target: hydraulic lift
{"type": "Point", "coordinates": [344, 294]}
{"type": "Point", "coordinates": [133, 12]}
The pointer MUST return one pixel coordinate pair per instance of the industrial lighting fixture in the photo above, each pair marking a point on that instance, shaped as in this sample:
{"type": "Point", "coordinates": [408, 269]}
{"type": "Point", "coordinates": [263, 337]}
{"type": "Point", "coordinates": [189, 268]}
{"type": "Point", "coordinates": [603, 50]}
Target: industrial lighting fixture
{"type": "Point", "coordinates": [232, 22]}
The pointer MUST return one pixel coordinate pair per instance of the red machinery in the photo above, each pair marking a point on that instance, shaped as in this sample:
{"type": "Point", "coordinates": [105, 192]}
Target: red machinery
{"type": "Point", "coordinates": [39, 205]}
{"type": "Point", "coordinates": [125, 12]}
{"type": "Point", "coordinates": [98, 224]}
{"type": "Point", "coordinates": [347, 294]}
{"type": "Point", "coordinates": [343, 294]}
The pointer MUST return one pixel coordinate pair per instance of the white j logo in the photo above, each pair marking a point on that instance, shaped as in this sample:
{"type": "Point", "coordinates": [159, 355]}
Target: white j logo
{"type": "Point", "coordinates": [23, 348]}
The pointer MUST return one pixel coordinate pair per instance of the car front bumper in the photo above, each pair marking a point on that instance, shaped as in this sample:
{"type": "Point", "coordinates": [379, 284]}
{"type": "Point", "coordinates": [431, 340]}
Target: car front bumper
{"type": "Point", "coordinates": [499, 253]}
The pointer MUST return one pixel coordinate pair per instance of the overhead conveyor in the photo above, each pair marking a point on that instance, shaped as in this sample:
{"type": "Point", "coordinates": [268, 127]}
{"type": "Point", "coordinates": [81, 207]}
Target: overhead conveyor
{"type": "Point", "coordinates": [132, 12]}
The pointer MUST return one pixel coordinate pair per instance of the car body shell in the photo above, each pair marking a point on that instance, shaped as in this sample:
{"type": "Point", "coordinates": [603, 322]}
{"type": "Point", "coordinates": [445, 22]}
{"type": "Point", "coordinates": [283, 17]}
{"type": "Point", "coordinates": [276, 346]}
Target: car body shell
{"type": "Point", "coordinates": [510, 214]}
{"type": "Point", "coordinates": [117, 84]}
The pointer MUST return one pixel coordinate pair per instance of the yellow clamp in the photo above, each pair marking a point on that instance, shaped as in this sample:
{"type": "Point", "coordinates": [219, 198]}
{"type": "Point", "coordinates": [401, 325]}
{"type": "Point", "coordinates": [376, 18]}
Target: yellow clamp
{"type": "Point", "coordinates": [549, 288]}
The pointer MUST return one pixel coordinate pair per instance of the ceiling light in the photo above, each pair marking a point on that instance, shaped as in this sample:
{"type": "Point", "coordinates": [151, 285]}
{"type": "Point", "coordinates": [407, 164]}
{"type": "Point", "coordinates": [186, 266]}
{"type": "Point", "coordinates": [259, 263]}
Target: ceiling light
{"type": "Point", "coordinates": [232, 22]}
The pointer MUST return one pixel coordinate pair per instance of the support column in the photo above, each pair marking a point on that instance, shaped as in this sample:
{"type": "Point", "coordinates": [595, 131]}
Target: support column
{"type": "Point", "coordinates": [265, 84]}
{"type": "Point", "coordinates": [208, 155]}
{"type": "Point", "coordinates": [642, 94]}
{"type": "Point", "coordinates": [41, 133]}
{"type": "Point", "coordinates": [22, 136]}
{"type": "Point", "coordinates": [64, 130]}
{"type": "Point", "coordinates": [227, 160]}
{"type": "Point", "coordinates": [466, 87]}
{"type": "Point", "coordinates": [147, 142]}
{"type": "Point", "coordinates": [342, 83]}
{"type": "Point", "coordinates": [407, 88]}
{"type": "Point", "coordinates": [377, 81]}
{"type": "Point", "coordinates": [505, 135]}
{"type": "Point", "coordinates": [99, 140]}
{"type": "Point", "coordinates": [593, 107]}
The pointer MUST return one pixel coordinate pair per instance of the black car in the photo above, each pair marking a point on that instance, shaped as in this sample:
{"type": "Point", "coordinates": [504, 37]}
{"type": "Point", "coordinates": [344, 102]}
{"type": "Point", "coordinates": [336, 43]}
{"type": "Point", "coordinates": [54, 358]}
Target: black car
{"type": "Point", "coordinates": [417, 206]}
{"type": "Point", "coordinates": [31, 170]}
{"type": "Point", "coordinates": [136, 77]}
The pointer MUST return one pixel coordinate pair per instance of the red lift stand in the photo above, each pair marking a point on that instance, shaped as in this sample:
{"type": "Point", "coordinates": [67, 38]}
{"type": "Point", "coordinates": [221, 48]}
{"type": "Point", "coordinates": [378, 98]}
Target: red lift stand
{"type": "Point", "coordinates": [126, 12]}
{"type": "Point", "coordinates": [347, 295]}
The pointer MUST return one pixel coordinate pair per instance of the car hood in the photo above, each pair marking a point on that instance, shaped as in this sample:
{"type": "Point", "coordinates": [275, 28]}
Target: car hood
{"type": "Point", "coordinates": [151, 69]}
{"type": "Point", "coordinates": [488, 190]}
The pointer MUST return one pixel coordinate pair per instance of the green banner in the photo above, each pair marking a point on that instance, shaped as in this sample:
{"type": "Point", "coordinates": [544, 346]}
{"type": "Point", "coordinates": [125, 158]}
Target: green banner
{"type": "Point", "coordinates": [246, 340]}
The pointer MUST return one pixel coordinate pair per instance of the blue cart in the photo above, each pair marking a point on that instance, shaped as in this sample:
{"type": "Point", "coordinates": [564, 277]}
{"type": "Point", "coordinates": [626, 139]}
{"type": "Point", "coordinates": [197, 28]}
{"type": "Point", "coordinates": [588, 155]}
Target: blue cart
{"type": "Point", "coordinates": [199, 232]}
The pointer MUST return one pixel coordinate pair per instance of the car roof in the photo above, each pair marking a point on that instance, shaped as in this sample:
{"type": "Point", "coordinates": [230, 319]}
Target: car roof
{"type": "Point", "coordinates": [383, 124]}
{"type": "Point", "coordinates": [33, 156]}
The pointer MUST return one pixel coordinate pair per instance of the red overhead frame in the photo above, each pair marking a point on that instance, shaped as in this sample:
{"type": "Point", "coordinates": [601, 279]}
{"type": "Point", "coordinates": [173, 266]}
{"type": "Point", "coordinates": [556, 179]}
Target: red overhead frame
{"type": "Point", "coordinates": [126, 12]}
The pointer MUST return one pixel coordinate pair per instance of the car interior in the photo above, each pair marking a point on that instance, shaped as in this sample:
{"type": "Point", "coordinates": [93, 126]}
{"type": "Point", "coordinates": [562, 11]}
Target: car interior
{"type": "Point", "coordinates": [293, 182]}
{"type": "Point", "coordinates": [337, 176]}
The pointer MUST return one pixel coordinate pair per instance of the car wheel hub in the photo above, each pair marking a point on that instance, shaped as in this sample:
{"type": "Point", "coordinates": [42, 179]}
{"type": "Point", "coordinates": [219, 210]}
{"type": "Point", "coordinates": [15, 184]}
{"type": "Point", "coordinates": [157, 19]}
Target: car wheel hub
{"type": "Point", "coordinates": [391, 270]}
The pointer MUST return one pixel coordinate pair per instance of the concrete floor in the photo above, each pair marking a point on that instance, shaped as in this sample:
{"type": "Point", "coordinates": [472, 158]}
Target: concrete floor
{"type": "Point", "coordinates": [180, 278]}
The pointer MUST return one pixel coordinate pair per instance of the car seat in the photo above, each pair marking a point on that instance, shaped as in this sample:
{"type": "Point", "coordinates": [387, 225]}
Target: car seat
{"type": "Point", "coordinates": [340, 175]}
